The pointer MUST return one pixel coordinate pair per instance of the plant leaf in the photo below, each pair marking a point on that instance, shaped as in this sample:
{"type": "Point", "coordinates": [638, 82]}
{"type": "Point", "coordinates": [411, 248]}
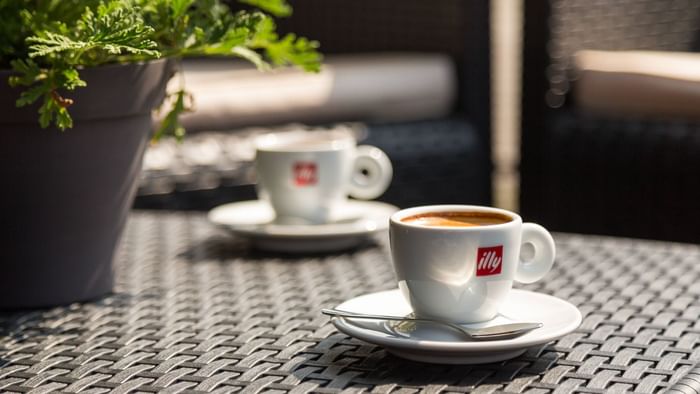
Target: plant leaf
{"type": "Point", "coordinates": [28, 72]}
{"type": "Point", "coordinates": [72, 79]}
{"type": "Point", "coordinates": [251, 56]}
{"type": "Point", "coordinates": [171, 124]}
{"type": "Point", "coordinates": [31, 95]}
{"type": "Point", "coordinates": [46, 112]}
{"type": "Point", "coordinates": [278, 8]}
{"type": "Point", "coordinates": [293, 50]}
{"type": "Point", "coordinates": [233, 38]}
{"type": "Point", "coordinates": [47, 42]}
{"type": "Point", "coordinates": [63, 119]}
{"type": "Point", "coordinates": [179, 7]}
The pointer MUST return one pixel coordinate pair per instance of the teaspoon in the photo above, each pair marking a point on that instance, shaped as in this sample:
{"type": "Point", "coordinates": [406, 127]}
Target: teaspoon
{"type": "Point", "coordinates": [501, 331]}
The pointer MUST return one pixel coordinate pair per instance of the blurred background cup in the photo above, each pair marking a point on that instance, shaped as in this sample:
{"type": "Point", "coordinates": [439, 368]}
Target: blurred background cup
{"type": "Point", "coordinates": [307, 175]}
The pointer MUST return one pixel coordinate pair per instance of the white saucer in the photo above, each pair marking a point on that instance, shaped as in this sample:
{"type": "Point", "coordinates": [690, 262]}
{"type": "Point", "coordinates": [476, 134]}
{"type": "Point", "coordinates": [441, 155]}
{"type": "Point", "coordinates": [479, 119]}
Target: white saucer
{"type": "Point", "coordinates": [254, 220]}
{"type": "Point", "coordinates": [433, 344]}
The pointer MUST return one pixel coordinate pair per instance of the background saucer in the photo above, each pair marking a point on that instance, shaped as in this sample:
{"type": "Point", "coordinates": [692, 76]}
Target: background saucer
{"type": "Point", "coordinates": [354, 222]}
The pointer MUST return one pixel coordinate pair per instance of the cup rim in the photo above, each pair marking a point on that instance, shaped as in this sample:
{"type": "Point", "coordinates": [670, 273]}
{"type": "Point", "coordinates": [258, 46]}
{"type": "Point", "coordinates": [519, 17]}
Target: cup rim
{"type": "Point", "coordinates": [324, 140]}
{"type": "Point", "coordinates": [395, 219]}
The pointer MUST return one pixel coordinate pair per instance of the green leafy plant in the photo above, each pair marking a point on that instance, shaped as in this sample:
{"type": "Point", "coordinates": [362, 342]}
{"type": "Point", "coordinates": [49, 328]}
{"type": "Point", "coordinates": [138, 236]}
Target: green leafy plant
{"type": "Point", "coordinates": [48, 42]}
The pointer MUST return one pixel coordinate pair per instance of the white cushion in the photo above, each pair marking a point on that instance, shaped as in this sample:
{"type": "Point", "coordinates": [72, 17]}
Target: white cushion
{"type": "Point", "coordinates": [639, 83]}
{"type": "Point", "coordinates": [373, 87]}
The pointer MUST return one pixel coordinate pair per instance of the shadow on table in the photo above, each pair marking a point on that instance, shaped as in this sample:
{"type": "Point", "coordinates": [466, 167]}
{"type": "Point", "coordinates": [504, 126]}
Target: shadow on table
{"type": "Point", "coordinates": [341, 362]}
{"type": "Point", "coordinates": [36, 329]}
{"type": "Point", "coordinates": [224, 248]}
{"type": "Point", "coordinates": [62, 318]}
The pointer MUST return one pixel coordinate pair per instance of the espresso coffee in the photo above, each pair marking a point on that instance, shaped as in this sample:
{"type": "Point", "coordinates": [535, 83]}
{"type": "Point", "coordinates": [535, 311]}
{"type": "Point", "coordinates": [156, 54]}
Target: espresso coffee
{"type": "Point", "coordinates": [457, 219]}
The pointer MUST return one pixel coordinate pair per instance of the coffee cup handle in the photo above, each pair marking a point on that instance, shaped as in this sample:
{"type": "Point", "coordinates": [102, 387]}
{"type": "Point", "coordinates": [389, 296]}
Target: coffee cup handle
{"type": "Point", "coordinates": [371, 174]}
{"type": "Point", "coordinates": [536, 268]}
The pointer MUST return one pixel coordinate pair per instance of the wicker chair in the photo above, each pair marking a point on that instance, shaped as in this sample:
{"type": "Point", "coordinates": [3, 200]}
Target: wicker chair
{"type": "Point", "coordinates": [435, 160]}
{"type": "Point", "coordinates": [615, 175]}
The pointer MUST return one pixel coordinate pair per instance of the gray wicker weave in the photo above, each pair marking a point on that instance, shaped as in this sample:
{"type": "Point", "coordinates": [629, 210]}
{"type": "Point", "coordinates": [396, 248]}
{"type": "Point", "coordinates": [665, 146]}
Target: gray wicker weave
{"type": "Point", "coordinates": [196, 311]}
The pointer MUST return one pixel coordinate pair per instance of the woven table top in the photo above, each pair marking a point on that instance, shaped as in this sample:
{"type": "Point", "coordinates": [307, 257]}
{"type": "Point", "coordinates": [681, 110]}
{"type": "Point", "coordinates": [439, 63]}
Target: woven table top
{"type": "Point", "coordinates": [198, 311]}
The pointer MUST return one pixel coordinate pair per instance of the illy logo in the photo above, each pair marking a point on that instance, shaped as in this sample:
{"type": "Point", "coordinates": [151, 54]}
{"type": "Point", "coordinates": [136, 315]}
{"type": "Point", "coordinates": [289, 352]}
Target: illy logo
{"type": "Point", "coordinates": [305, 173]}
{"type": "Point", "coordinates": [489, 260]}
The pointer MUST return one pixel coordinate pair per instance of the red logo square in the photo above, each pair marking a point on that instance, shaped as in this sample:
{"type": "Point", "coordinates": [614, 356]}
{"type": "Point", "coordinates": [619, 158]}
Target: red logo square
{"type": "Point", "coordinates": [489, 260]}
{"type": "Point", "coordinates": [305, 173]}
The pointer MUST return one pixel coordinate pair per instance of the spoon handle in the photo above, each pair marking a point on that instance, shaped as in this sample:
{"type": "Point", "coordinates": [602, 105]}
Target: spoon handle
{"type": "Point", "coordinates": [337, 312]}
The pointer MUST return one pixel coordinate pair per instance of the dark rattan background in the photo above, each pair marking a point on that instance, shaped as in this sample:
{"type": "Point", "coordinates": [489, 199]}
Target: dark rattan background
{"type": "Point", "coordinates": [611, 174]}
{"type": "Point", "coordinates": [197, 311]}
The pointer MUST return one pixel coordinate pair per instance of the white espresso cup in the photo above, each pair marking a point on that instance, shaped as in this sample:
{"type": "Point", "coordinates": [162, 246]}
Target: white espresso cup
{"type": "Point", "coordinates": [461, 273]}
{"type": "Point", "coordinates": [307, 175]}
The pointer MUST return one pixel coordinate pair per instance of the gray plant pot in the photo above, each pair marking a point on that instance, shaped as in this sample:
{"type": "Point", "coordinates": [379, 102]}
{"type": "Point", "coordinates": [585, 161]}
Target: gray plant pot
{"type": "Point", "coordinates": [65, 196]}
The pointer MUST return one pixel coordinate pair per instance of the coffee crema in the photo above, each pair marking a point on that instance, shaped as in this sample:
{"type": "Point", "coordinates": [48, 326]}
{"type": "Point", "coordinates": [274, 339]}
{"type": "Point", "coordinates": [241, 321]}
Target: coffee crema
{"type": "Point", "coordinates": [457, 219]}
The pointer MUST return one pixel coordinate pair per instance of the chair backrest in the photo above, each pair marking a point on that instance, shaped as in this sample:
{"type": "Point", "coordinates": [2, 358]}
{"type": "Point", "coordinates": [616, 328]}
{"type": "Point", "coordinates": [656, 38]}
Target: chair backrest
{"type": "Point", "coordinates": [556, 29]}
{"type": "Point", "coordinates": [561, 146]}
{"type": "Point", "coordinates": [660, 25]}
